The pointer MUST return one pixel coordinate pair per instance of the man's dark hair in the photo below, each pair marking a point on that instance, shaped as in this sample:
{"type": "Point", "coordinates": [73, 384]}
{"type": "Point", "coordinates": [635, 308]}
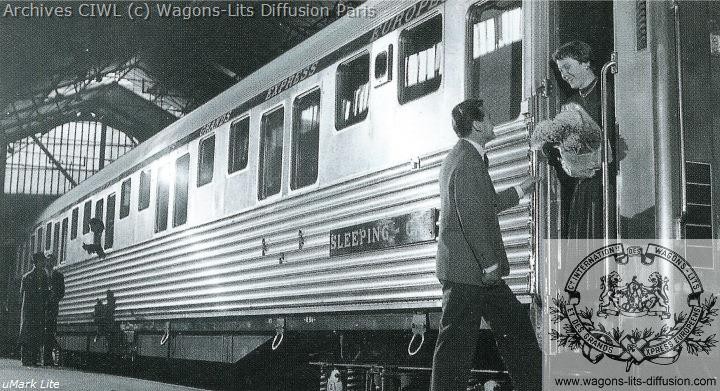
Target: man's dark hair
{"type": "Point", "coordinates": [465, 113]}
{"type": "Point", "coordinates": [578, 50]}
{"type": "Point", "coordinates": [38, 257]}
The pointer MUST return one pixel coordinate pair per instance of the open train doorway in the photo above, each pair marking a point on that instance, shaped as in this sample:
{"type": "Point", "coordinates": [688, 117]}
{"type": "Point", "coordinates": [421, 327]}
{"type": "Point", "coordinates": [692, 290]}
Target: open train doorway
{"type": "Point", "coordinates": [591, 23]}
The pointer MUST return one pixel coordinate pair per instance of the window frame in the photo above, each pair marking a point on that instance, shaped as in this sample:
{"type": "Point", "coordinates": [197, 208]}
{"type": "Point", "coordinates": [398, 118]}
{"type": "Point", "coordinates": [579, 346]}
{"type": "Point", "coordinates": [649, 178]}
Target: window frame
{"type": "Point", "coordinates": [340, 122]}
{"type": "Point", "coordinates": [407, 94]}
{"type": "Point", "coordinates": [110, 217]}
{"type": "Point", "coordinates": [87, 215]}
{"type": "Point", "coordinates": [481, 7]}
{"type": "Point", "coordinates": [144, 192]}
{"type": "Point", "coordinates": [48, 235]}
{"type": "Point", "coordinates": [63, 241]}
{"type": "Point", "coordinates": [74, 222]}
{"type": "Point", "coordinates": [387, 77]}
{"type": "Point", "coordinates": [261, 153]}
{"type": "Point", "coordinates": [100, 209]}
{"type": "Point", "coordinates": [176, 222]}
{"type": "Point", "coordinates": [40, 234]}
{"type": "Point", "coordinates": [125, 195]}
{"type": "Point", "coordinates": [294, 139]}
{"type": "Point", "coordinates": [231, 153]}
{"type": "Point", "coordinates": [56, 238]}
{"type": "Point", "coordinates": [164, 167]}
{"type": "Point", "coordinates": [200, 180]}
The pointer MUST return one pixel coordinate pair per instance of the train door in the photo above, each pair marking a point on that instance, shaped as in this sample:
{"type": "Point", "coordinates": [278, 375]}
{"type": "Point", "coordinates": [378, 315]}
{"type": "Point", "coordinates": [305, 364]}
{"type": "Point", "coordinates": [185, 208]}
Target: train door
{"type": "Point", "coordinates": [565, 21]}
{"type": "Point", "coordinates": [494, 73]}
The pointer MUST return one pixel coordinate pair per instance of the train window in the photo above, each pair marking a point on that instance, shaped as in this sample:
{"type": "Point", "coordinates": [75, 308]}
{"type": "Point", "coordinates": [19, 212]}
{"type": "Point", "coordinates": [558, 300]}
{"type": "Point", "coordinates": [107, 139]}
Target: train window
{"type": "Point", "coordinates": [306, 139]}
{"type": "Point", "coordinates": [48, 236]}
{"type": "Point", "coordinates": [56, 239]}
{"type": "Point", "coordinates": [383, 66]}
{"type": "Point", "coordinates": [352, 91]}
{"type": "Point", "coordinates": [99, 207]}
{"type": "Point", "coordinates": [74, 224]}
{"type": "Point", "coordinates": [87, 210]}
{"type": "Point", "coordinates": [206, 160]}
{"type": "Point", "coordinates": [163, 199]}
{"type": "Point", "coordinates": [421, 54]}
{"type": "Point", "coordinates": [239, 144]}
{"type": "Point", "coordinates": [271, 142]}
{"type": "Point", "coordinates": [182, 174]}
{"type": "Point", "coordinates": [63, 241]}
{"type": "Point", "coordinates": [32, 245]}
{"type": "Point", "coordinates": [110, 222]}
{"type": "Point", "coordinates": [495, 72]}
{"type": "Point", "coordinates": [125, 190]}
{"type": "Point", "coordinates": [39, 239]}
{"type": "Point", "coordinates": [144, 192]}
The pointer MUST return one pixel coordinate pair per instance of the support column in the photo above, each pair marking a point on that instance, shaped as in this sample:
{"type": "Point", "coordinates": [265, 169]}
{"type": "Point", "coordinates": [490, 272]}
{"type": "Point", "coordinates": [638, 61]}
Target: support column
{"type": "Point", "coordinates": [3, 159]}
{"type": "Point", "coordinates": [103, 144]}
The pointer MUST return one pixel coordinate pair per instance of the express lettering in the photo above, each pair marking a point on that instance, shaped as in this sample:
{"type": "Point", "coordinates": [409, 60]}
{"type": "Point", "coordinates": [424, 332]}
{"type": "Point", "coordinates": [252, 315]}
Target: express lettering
{"type": "Point", "coordinates": [292, 80]}
{"type": "Point", "coordinates": [214, 123]}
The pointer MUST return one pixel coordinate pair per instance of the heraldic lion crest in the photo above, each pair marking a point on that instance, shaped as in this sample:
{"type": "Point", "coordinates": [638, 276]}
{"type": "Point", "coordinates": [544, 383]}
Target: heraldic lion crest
{"type": "Point", "coordinates": [585, 330]}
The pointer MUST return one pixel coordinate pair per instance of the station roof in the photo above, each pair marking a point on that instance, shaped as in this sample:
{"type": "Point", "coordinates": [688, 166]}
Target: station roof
{"type": "Point", "coordinates": [137, 75]}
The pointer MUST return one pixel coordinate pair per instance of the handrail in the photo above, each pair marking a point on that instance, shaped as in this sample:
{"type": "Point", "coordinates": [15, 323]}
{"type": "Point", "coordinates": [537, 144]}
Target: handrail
{"type": "Point", "coordinates": [681, 120]}
{"type": "Point", "coordinates": [612, 67]}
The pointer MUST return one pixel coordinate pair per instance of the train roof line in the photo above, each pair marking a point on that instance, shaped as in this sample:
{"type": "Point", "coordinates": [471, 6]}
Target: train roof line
{"type": "Point", "coordinates": [325, 42]}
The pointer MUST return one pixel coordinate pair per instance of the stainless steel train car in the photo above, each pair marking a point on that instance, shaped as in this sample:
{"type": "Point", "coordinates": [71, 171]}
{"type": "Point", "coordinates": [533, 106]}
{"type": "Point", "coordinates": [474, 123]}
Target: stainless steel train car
{"type": "Point", "coordinates": [304, 199]}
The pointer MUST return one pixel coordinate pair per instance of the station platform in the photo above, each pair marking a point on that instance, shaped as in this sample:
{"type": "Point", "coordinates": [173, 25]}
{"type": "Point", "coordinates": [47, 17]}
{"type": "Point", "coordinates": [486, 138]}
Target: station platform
{"type": "Point", "coordinates": [14, 376]}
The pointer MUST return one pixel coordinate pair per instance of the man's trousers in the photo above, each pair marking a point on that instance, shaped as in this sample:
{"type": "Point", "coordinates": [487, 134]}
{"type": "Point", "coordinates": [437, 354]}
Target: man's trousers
{"type": "Point", "coordinates": [463, 308]}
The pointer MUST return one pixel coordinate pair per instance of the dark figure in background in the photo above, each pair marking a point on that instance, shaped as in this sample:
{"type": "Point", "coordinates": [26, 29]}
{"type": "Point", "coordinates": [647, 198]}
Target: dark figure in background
{"type": "Point", "coordinates": [97, 227]}
{"type": "Point", "coordinates": [10, 320]}
{"type": "Point", "coordinates": [107, 327]}
{"type": "Point", "coordinates": [57, 291]}
{"type": "Point", "coordinates": [113, 334]}
{"type": "Point", "coordinates": [34, 292]}
{"type": "Point", "coordinates": [98, 319]}
{"type": "Point", "coordinates": [584, 217]}
{"type": "Point", "coordinates": [471, 262]}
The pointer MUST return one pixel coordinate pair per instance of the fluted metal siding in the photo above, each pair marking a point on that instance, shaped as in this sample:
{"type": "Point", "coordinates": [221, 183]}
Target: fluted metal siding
{"type": "Point", "coordinates": [217, 269]}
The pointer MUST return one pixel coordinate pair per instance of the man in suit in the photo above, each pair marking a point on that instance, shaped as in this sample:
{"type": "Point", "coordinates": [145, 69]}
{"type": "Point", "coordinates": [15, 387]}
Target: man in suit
{"type": "Point", "coordinates": [34, 292]}
{"type": "Point", "coordinates": [471, 260]}
{"type": "Point", "coordinates": [56, 293]}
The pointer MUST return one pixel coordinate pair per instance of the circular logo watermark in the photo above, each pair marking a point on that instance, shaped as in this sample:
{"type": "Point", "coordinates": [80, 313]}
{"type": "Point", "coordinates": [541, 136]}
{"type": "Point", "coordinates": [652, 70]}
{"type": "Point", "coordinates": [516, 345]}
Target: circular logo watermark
{"type": "Point", "coordinates": [633, 289]}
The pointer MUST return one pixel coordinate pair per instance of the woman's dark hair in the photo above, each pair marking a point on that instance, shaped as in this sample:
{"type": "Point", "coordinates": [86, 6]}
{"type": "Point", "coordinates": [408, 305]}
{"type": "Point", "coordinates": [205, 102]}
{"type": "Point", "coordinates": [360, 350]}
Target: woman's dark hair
{"type": "Point", "coordinates": [465, 113]}
{"type": "Point", "coordinates": [578, 50]}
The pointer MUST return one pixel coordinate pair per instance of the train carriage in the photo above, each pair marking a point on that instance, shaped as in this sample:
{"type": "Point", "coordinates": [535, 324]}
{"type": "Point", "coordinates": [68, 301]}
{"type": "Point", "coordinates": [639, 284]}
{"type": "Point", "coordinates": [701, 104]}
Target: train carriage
{"type": "Point", "coordinates": [304, 199]}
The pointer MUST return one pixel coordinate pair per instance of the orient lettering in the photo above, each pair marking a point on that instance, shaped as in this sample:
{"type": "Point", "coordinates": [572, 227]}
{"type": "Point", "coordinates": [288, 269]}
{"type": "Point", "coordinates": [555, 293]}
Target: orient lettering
{"type": "Point", "coordinates": [403, 18]}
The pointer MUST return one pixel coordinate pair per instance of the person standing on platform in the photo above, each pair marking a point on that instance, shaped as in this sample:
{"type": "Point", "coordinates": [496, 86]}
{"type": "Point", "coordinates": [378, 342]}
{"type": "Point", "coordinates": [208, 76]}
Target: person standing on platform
{"type": "Point", "coordinates": [471, 262]}
{"type": "Point", "coordinates": [57, 291]}
{"type": "Point", "coordinates": [34, 292]}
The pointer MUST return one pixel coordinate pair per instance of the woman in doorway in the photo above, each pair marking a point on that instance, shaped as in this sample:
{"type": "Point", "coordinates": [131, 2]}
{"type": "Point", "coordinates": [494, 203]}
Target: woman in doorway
{"type": "Point", "coordinates": [584, 218]}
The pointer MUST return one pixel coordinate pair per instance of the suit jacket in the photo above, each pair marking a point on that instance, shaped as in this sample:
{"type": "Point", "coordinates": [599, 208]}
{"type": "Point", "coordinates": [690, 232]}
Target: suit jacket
{"type": "Point", "coordinates": [470, 239]}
